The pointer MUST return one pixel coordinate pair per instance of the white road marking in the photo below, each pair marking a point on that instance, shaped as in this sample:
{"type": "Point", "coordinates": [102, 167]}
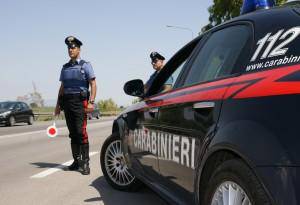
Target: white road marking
{"type": "Point", "coordinates": [57, 168]}
{"type": "Point", "coordinates": [21, 134]}
{"type": "Point", "coordinates": [44, 131]}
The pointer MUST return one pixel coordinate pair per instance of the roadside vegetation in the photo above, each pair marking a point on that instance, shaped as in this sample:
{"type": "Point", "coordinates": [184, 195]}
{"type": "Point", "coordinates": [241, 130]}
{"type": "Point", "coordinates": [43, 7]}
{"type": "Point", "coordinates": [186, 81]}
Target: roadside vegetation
{"type": "Point", "coordinates": [223, 10]}
{"type": "Point", "coordinates": [107, 108]}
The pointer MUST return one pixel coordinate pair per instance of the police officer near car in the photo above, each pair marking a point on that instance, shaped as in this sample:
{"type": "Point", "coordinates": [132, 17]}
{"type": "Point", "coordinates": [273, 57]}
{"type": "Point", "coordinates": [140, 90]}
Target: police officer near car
{"type": "Point", "coordinates": [75, 99]}
{"type": "Point", "coordinates": [157, 62]}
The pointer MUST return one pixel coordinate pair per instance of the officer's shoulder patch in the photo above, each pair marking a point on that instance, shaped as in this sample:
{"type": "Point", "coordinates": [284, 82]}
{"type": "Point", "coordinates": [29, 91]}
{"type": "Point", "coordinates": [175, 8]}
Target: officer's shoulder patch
{"type": "Point", "coordinates": [82, 62]}
{"type": "Point", "coordinates": [85, 64]}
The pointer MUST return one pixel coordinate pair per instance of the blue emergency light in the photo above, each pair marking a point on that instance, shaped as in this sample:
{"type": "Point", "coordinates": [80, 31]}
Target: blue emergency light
{"type": "Point", "coordinates": [252, 5]}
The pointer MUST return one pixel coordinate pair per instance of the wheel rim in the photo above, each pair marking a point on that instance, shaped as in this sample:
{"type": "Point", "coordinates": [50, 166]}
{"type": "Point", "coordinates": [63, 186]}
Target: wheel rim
{"type": "Point", "coordinates": [12, 120]}
{"type": "Point", "coordinates": [115, 164]}
{"type": "Point", "coordinates": [30, 119]}
{"type": "Point", "coordinates": [230, 193]}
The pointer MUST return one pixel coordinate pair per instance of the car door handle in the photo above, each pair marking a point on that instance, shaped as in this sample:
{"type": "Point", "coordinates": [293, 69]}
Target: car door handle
{"type": "Point", "coordinates": [153, 110]}
{"type": "Point", "coordinates": [204, 105]}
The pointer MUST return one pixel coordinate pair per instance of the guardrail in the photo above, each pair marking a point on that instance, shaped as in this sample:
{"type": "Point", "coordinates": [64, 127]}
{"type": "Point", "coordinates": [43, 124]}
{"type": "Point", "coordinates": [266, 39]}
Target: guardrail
{"type": "Point", "coordinates": [48, 116]}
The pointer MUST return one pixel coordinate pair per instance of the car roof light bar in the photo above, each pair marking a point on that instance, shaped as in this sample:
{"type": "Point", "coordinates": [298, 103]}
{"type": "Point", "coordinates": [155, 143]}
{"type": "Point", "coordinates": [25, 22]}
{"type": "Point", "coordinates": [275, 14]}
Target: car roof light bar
{"type": "Point", "coordinates": [253, 5]}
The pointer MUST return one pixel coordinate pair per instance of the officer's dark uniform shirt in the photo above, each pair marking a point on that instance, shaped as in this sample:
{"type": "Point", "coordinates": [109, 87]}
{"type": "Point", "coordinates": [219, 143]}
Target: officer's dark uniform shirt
{"type": "Point", "coordinates": [76, 76]}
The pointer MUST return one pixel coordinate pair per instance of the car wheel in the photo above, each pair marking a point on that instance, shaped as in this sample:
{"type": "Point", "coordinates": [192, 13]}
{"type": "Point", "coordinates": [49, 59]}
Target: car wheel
{"type": "Point", "coordinates": [114, 167]}
{"type": "Point", "coordinates": [30, 120]}
{"type": "Point", "coordinates": [234, 183]}
{"type": "Point", "coordinates": [11, 121]}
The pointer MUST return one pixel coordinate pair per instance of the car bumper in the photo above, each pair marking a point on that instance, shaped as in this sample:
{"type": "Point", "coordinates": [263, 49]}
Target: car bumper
{"type": "Point", "coordinates": [282, 183]}
{"type": "Point", "coordinates": [3, 120]}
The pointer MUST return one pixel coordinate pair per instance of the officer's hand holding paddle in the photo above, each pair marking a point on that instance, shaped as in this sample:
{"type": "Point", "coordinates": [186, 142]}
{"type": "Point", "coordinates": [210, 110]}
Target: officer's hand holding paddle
{"type": "Point", "coordinates": [90, 108]}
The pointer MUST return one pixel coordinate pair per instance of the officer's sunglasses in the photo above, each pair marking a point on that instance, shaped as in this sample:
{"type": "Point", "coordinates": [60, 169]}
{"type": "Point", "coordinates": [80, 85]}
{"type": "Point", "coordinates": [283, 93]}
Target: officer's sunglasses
{"type": "Point", "coordinates": [154, 61]}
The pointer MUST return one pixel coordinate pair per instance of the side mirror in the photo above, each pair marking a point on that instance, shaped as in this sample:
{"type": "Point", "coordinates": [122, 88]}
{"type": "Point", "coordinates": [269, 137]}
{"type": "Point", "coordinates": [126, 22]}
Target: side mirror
{"type": "Point", "coordinates": [134, 88]}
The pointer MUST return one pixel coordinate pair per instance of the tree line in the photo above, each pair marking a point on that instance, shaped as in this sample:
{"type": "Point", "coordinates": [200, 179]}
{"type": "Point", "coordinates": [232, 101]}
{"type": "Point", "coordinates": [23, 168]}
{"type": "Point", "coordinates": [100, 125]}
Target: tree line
{"type": "Point", "coordinates": [108, 105]}
{"type": "Point", "coordinates": [223, 10]}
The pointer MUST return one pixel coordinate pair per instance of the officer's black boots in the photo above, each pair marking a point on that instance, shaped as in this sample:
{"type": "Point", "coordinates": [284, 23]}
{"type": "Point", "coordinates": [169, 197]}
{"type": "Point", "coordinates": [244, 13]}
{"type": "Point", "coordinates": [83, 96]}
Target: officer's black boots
{"type": "Point", "coordinates": [84, 167]}
{"type": "Point", "coordinates": [81, 158]}
{"type": "Point", "coordinates": [76, 155]}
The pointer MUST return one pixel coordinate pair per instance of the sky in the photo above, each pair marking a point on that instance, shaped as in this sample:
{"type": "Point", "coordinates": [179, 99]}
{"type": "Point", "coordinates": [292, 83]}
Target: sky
{"type": "Point", "coordinates": [117, 38]}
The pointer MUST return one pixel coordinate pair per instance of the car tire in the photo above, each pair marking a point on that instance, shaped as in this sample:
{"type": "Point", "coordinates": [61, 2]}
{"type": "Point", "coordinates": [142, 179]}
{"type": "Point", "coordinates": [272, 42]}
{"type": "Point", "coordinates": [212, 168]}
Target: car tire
{"type": "Point", "coordinates": [30, 120]}
{"type": "Point", "coordinates": [11, 121]}
{"type": "Point", "coordinates": [114, 168]}
{"type": "Point", "coordinates": [236, 177]}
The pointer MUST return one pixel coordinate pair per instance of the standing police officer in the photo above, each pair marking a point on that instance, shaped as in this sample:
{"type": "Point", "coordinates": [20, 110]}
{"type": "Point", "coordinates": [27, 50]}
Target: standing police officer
{"type": "Point", "coordinates": [76, 100]}
{"type": "Point", "coordinates": [157, 62]}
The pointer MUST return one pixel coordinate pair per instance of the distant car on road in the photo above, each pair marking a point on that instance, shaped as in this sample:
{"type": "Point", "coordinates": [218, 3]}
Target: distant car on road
{"type": "Point", "coordinates": [12, 112]}
{"type": "Point", "coordinates": [95, 114]}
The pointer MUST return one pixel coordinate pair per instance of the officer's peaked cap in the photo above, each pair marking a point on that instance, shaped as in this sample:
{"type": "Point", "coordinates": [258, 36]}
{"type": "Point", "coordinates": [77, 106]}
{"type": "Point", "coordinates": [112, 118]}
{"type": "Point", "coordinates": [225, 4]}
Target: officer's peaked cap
{"type": "Point", "coordinates": [155, 55]}
{"type": "Point", "coordinates": [71, 41]}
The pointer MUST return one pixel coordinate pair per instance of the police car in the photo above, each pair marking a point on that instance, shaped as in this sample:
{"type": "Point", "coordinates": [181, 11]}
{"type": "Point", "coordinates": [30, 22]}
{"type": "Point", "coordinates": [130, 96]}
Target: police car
{"type": "Point", "coordinates": [228, 132]}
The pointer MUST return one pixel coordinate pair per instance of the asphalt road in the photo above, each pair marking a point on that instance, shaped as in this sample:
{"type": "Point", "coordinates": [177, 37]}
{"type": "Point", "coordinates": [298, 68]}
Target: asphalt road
{"type": "Point", "coordinates": [32, 169]}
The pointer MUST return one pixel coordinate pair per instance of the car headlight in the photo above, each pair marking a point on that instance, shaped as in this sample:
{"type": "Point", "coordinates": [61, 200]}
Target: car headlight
{"type": "Point", "coordinates": [4, 114]}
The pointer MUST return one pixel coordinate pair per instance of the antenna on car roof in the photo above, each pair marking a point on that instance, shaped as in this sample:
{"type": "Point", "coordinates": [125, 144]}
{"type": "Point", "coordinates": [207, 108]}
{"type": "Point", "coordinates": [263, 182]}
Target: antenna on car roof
{"type": "Point", "coordinates": [253, 5]}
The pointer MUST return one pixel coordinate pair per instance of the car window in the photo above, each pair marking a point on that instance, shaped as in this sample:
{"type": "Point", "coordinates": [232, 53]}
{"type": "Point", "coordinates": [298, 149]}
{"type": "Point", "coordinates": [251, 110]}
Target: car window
{"type": "Point", "coordinates": [176, 73]}
{"type": "Point", "coordinates": [6, 105]}
{"type": "Point", "coordinates": [17, 106]}
{"type": "Point", "coordinates": [219, 54]}
{"type": "Point", "coordinates": [170, 74]}
{"type": "Point", "coordinates": [170, 82]}
{"type": "Point", "coordinates": [24, 106]}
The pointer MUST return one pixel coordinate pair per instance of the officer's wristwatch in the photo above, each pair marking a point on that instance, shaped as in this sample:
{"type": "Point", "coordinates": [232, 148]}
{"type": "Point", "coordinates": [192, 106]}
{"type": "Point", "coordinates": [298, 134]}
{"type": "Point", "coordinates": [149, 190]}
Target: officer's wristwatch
{"type": "Point", "coordinates": [92, 101]}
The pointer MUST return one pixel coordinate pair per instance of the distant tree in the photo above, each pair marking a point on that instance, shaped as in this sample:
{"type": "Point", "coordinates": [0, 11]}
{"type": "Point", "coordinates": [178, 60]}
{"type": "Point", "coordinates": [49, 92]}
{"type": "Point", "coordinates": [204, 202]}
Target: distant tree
{"type": "Point", "coordinates": [107, 105]}
{"type": "Point", "coordinates": [136, 100]}
{"type": "Point", "coordinates": [33, 105]}
{"type": "Point", "coordinates": [223, 10]}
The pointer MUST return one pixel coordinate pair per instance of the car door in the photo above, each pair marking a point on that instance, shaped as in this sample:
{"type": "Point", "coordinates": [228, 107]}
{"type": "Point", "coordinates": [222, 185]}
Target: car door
{"type": "Point", "coordinates": [26, 112]}
{"type": "Point", "coordinates": [143, 150]}
{"type": "Point", "coordinates": [188, 115]}
{"type": "Point", "coordinates": [17, 112]}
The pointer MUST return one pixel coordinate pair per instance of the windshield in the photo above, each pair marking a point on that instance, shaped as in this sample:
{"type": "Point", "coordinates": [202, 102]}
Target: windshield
{"type": "Point", "coordinates": [6, 105]}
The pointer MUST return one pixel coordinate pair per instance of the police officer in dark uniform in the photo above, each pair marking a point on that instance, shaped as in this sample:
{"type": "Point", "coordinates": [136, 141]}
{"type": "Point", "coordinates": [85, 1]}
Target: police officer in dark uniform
{"type": "Point", "coordinates": [157, 61]}
{"type": "Point", "coordinates": [75, 99]}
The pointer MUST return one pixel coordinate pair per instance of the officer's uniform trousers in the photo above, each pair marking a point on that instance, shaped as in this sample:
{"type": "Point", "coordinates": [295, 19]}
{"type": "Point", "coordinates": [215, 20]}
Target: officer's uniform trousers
{"type": "Point", "coordinates": [76, 118]}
